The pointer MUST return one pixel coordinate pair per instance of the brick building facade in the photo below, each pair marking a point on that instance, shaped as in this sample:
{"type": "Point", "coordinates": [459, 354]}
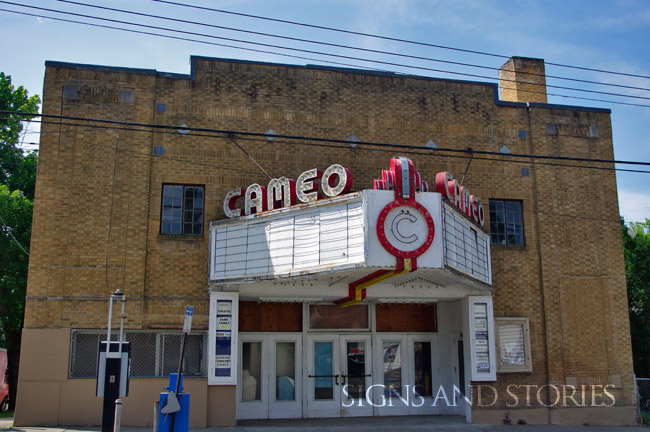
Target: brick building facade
{"type": "Point", "coordinates": [556, 254]}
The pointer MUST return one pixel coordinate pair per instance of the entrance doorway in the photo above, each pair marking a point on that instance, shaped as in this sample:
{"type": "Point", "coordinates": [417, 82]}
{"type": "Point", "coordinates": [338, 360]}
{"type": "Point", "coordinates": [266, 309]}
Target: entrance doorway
{"type": "Point", "coordinates": [318, 375]}
{"type": "Point", "coordinates": [339, 375]}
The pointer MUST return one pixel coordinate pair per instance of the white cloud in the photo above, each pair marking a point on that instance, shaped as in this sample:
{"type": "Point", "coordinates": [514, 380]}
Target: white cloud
{"type": "Point", "coordinates": [634, 206]}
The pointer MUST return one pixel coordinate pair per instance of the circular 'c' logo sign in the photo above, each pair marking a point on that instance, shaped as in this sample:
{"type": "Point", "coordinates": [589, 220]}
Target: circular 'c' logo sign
{"type": "Point", "coordinates": [405, 229]}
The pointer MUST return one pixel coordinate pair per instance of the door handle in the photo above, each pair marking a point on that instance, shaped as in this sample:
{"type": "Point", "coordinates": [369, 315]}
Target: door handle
{"type": "Point", "coordinates": [336, 377]}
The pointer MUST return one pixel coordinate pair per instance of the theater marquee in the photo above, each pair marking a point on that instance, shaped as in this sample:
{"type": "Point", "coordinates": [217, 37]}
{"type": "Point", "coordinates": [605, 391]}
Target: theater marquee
{"type": "Point", "coordinates": [294, 239]}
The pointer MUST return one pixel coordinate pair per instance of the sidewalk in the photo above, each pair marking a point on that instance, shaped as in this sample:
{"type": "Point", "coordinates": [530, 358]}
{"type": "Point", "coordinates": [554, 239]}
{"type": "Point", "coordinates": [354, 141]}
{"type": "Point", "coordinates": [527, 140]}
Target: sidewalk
{"type": "Point", "coordinates": [364, 424]}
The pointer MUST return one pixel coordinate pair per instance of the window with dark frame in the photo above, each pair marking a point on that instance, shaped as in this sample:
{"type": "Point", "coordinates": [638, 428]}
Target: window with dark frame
{"type": "Point", "coordinates": [506, 222]}
{"type": "Point", "coordinates": [182, 210]}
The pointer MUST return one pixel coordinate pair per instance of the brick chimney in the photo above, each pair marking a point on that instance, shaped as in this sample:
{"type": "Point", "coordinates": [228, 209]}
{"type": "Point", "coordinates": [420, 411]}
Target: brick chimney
{"type": "Point", "coordinates": [523, 79]}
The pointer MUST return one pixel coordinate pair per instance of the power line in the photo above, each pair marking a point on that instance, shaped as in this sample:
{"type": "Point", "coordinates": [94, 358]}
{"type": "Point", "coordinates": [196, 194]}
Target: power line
{"type": "Point", "coordinates": [374, 51]}
{"type": "Point", "coordinates": [413, 151]}
{"type": "Point", "coordinates": [133, 153]}
{"type": "Point", "coordinates": [312, 52]}
{"type": "Point", "coordinates": [427, 152]}
{"type": "Point", "coordinates": [293, 55]}
{"type": "Point", "coordinates": [406, 41]}
{"type": "Point", "coordinates": [316, 52]}
{"type": "Point", "coordinates": [220, 44]}
{"type": "Point", "coordinates": [229, 133]}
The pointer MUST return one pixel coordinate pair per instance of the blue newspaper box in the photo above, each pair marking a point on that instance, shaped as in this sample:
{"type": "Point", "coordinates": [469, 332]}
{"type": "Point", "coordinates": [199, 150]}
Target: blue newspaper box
{"type": "Point", "coordinates": [182, 420]}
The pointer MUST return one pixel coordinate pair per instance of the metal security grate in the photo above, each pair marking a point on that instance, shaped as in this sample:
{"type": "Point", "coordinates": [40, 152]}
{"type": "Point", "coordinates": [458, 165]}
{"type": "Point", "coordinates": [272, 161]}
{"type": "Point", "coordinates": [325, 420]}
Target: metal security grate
{"type": "Point", "coordinates": [153, 354]}
{"type": "Point", "coordinates": [643, 390]}
{"type": "Point", "coordinates": [83, 354]}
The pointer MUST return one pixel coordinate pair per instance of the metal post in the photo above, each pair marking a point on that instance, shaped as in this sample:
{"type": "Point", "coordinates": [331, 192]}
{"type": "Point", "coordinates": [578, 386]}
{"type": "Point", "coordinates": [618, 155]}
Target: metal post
{"type": "Point", "coordinates": [121, 320]}
{"type": "Point", "coordinates": [110, 321]}
{"type": "Point", "coordinates": [156, 410]}
{"type": "Point", "coordinates": [113, 370]}
{"type": "Point", "coordinates": [187, 328]}
{"type": "Point", "coordinates": [178, 380]}
{"type": "Point", "coordinates": [118, 415]}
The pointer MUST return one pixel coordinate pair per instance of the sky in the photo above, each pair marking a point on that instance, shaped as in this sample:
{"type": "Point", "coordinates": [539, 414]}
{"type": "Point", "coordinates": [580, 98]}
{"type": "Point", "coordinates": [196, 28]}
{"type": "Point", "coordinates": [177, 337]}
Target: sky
{"type": "Point", "coordinates": [612, 35]}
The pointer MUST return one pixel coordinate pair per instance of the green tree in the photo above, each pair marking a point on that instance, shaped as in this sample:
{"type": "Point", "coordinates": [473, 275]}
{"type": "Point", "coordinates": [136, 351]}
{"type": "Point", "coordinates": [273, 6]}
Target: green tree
{"type": "Point", "coordinates": [17, 167]}
{"type": "Point", "coordinates": [17, 182]}
{"type": "Point", "coordinates": [15, 232]}
{"type": "Point", "coordinates": [636, 247]}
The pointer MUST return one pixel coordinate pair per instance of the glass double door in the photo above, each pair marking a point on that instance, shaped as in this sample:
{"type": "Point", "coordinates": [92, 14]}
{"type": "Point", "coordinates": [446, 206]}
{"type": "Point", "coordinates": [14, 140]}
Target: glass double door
{"type": "Point", "coordinates": [407, 374]}
{"type": "Point", "coordinates": [339, 375]}
{"type": "Point", "coordinates": [270, 376]}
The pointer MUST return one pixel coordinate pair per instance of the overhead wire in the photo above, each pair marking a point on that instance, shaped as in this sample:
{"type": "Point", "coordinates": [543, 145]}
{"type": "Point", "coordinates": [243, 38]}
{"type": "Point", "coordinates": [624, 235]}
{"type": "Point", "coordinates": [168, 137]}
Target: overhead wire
{"type": "Point", "coordinates": [532, 156]}
{"type": "Point", "coordinates": [148, 154]}
{"type": "Point", "coordinates": [315, 52]}
{"type": "Point", "coordinates": [336, 45]}
{"type": "Point", "coordinates": [389, 38]}
{"type": "Point", "coordinates": [310, 52]}
{"type": "Point", "coordinates": [152, 156]}
{"type": "Point", "coordinates": [246, 135]}
{"type": "Point", "coordinates": [422, 152]}
{"type": "Point", "coordinates": [199, 41]}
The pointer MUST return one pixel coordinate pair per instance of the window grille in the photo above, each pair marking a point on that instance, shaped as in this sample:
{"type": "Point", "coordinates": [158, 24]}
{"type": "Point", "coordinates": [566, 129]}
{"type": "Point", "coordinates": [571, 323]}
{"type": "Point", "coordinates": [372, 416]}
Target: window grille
{"type": "Point", "coordinates": [83, 355]}
{"type": "Point", "coordinates": [153, 354]}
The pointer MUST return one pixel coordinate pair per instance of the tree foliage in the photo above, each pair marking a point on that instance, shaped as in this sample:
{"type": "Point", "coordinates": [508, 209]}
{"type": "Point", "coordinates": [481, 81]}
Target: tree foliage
{"type": "Point", "coordinates": [636, 247]}
{"type": "Point", "coordinates": [17, 168]}
{"type": "Point", "coordinates": [16, 219]}
{"type": "Point", "coordinates": [17, 183]}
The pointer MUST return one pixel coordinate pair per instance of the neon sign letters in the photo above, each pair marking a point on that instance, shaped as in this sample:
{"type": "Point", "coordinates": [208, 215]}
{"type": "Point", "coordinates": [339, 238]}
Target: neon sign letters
{"type": "Point", "coordinates": [313, 185]}
{"type": "Point", "coordinates": [285, 192]}
{"type": "Point", "coordinates": [460, 197]}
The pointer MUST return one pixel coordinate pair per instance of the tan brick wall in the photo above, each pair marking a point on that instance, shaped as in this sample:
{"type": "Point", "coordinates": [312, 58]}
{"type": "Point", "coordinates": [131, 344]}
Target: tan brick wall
{"type": "Point", "coordinates": [523, 79]}
{"type": "Point", "coordinates": [568, 278]}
